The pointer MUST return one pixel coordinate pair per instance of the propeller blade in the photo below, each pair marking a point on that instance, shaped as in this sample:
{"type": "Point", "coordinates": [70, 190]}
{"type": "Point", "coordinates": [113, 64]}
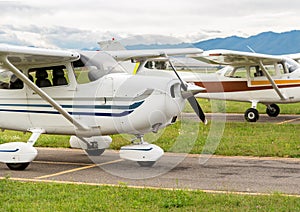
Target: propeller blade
{"type": "Point", "coordinates": [198, 110]}
{"type": "Point", "coordinates": [192, 100]}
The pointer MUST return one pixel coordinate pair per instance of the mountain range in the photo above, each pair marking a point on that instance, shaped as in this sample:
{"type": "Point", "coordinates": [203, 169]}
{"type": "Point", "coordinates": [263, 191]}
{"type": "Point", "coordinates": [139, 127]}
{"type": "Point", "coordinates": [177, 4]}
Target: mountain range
{"type": "Point", "coordinates": [266, 42]}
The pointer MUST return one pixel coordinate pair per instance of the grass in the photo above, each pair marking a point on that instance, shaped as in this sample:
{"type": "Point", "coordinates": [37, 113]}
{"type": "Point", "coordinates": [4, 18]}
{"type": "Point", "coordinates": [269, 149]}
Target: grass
{"type": "Point", "coordinates": [238, 139]}
{"type": "Point", "coordinates": [58, 141]}
{"type": "Point", "coordinates": [19, 196]}
{"type": "Point", "coordinates": [240, 107]}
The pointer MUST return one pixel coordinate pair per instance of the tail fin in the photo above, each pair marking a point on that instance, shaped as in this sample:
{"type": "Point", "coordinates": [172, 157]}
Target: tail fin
{"type": "Point", "coordinates": [111, 45]}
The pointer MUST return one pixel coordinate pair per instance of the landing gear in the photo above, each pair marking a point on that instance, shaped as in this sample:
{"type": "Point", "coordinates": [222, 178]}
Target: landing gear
{"type": "Point", "coordinates": [273, 110]}
{"type": "Point", "coordinates": [17, 166]}
{"type": "Point", "coordinates": [18, 155]}
{"type": "Point", "coordinates": [251, 115]}
{"type": "Point", "coordinates": [94, 146]}
{"type": "Point", "coordinates": [143, 153]}
{"type": "Point", "coordinates": [146, 163]}
{"type": "Point", "coordinates": [94, 152]}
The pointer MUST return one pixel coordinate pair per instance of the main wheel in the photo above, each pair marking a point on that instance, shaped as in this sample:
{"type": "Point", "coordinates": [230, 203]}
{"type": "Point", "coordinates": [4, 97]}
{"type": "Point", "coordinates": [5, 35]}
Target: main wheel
{"type": "Point", "coordinates": [17, 166]}
{"type": "Point", "coordinates": [273, 110]}
{"type": "Point", "coordinates": [146, 163]}
{"type": "Point", "coordinates": [94, 152]}
{"type": "Point", "coordinates": [251, 115]}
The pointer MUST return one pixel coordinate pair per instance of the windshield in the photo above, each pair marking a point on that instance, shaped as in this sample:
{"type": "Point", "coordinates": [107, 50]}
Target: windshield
{"type": "Point", "coordinates": [291, 64]}
{"type": "Point", "coordinates": [94, 65]}
{"type": "Point", "coordinates": [226, 71]}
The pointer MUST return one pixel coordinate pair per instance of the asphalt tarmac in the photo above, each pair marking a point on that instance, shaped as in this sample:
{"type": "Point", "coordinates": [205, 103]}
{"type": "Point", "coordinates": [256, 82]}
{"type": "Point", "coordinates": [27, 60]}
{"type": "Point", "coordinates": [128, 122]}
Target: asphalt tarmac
{"type": "Point", "coordinates": [173, 171]}
{"type": "Point", "coordinates": [263, 118]}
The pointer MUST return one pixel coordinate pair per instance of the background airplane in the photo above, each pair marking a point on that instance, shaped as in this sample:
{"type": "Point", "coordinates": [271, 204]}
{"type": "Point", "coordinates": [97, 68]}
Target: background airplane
{"type": "Point", "coordinates": [247, 77]}
{"type": "Point", "coordinates": [250, 77]}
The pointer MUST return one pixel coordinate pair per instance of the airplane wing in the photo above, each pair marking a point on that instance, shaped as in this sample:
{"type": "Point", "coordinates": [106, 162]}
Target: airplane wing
{"type": "Point", "coordinates": [35, 56]}
{"type": "Point", "coordinates": [236, 58]}
{"type": "Point", "coordinates": [141, 55]}
{"type": "Point", "coordinates": [294, 56]}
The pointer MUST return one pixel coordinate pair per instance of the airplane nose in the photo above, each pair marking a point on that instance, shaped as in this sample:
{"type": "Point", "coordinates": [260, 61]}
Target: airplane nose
{"type": "Point", "coordinates": [175, 102]}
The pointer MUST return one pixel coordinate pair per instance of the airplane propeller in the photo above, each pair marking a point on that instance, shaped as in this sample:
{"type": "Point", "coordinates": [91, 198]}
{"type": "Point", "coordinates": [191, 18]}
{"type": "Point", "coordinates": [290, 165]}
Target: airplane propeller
{"type": "Point", "coordinates": [191, 98]}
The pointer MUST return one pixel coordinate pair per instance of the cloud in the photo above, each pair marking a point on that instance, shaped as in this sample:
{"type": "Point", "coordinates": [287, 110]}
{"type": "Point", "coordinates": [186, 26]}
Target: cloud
{"type": "Point", "coordinates": [82, 23]}
{"type": "Point", "coordinates": [67, 37]}
{"type": "Point", "coordinates": [20, 8]}
{"type": "Point", "coordinates": [52, 37]}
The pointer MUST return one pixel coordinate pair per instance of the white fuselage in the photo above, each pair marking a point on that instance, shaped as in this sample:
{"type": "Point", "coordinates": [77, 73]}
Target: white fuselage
{"type": "Point", "coordinates": [246, 89]}
{"type": "Point", "coordinates": [225, 85]}
{"type": "Point", "coordinates": [115, 103]}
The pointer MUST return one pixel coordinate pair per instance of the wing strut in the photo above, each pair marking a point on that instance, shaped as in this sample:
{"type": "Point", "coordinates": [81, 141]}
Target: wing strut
{"type": "Point", "coordinates": [282, 97]}
{"type": "Point", "coordinates": [45, 96]}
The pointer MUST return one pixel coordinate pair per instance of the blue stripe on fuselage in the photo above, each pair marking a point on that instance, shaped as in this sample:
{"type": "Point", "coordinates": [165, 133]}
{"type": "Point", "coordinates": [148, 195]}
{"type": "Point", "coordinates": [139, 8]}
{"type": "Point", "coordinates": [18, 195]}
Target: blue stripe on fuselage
{"type": "Point", "coordinates": [9, 151]}
{"type": "Point", "coordinates": [115, 107]}
{"type": "Point", "coordinates": [125, 113]}
{"type": "Point", "coordinates": [128, 109]}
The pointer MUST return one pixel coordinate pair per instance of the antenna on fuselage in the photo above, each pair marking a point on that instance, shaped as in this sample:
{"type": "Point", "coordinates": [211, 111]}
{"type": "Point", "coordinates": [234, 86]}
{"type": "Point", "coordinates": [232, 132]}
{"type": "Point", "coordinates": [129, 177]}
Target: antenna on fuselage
{"type": "Point", "coordinates": [252, 50]}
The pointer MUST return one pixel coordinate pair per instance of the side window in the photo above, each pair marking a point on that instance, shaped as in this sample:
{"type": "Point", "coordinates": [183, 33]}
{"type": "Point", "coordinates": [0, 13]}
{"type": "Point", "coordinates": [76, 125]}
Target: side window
{"type": "Point", "coordinates": [255, 71]}
{"type": "Point", "coordinates": [49, 76]}
{"type": "Point", "coordinates": [279, 69]}
{"type": "Point", "coordinates": [273, 70]}
{"type": "Point", "coordinates": [240, 72]}
{"type": "Point", "coordinates": [9, 81]}
{"type": "Point", "coordinates": [86, 73]}
{"type": "Point", "coordinates": [82, 75]}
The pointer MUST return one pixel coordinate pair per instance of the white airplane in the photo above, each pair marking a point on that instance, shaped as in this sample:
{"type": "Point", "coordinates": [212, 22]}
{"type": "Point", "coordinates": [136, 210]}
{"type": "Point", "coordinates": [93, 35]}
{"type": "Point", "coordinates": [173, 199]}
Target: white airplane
{"type": "Point", "coordinates": [88, 96]}
{"type": "Point", "coordinates": [247, 77]}
{"type": "Point", "coordinates": [250, 77]}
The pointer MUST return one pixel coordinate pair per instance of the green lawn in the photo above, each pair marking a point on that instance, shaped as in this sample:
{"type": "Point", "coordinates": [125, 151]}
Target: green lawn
{"type": "Point", "coordinates": [240, 107]}
{"type": "Point", "coordinates": [238, 139]}
{"type": "Point", "coordinates": [18, 196]}
{"type": "Point", "coordinates": [243, 139]}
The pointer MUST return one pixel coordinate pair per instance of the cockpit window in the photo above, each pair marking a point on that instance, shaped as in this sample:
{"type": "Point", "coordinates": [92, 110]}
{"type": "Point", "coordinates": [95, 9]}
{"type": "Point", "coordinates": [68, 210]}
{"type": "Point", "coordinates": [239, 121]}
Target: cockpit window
{"type": "Point", "coordinates": [94, 65]}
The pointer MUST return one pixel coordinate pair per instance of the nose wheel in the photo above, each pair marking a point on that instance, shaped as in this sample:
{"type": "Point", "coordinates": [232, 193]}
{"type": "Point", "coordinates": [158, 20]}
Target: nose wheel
{"type": "Point", "coordinates": [143, 153]}
{"type": "Point", "coordinates": [146, 163]}
{"type": "Point", "coordinates": [17, 166]}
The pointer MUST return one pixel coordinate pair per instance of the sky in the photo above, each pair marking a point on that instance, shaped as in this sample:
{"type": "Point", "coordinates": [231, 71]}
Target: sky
{"type": "Point", "coordinates": [80, 24]}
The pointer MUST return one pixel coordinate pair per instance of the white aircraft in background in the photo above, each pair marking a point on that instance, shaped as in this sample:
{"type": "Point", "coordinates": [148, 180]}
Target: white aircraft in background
{"type": "Point", "coordinates": [89, 96]}
{"type": "Point", "coordinates": [247, 77]}
{"type": "Point", "coordinates": [250, 77]}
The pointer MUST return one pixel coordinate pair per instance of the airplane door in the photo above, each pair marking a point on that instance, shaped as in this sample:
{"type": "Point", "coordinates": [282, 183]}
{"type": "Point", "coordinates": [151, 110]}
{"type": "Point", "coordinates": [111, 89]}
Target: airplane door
{"type": "Point", "coordinates": [92, 101]}
{"type": "Point", "coordinates": [13, 103]}
{"type": "Point", "coordinates": [56, 82]}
